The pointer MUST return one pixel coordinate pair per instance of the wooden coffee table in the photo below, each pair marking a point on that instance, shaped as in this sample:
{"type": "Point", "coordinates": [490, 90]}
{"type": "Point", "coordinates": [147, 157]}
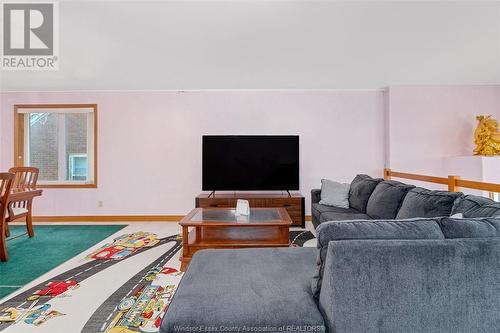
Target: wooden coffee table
{"type": "Point", "coordinates": [221, 228]}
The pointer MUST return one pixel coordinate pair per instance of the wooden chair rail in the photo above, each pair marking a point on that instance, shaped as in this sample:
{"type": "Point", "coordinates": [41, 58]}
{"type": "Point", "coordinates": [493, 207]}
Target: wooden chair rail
{"type": "Point", "coordinates": [454, 182]}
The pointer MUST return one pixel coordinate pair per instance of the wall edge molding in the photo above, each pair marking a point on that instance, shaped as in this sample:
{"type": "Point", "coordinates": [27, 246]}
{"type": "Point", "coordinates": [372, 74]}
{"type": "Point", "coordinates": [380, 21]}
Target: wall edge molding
{"type": "Point", "coordinates": [197, 90]}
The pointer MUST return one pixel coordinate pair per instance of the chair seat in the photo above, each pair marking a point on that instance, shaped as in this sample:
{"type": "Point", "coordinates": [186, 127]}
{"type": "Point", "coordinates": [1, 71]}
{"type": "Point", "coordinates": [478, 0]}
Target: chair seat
{"type": "Point", "coordinates": [17, 211]}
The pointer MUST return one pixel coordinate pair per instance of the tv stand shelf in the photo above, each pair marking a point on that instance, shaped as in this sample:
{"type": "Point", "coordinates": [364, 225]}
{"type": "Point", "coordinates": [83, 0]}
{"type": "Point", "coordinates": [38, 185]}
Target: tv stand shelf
{"type": "Point", "coordinates": [294, 202]}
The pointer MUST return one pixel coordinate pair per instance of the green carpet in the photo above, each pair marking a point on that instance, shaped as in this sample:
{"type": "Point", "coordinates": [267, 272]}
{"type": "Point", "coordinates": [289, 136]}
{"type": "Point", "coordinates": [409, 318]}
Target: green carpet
{"type": "Point", "coordinates": [52, 245]}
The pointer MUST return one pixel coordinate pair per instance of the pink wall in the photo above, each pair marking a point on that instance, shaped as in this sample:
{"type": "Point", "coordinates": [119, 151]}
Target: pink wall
{"type": "Point", "coordinates": [430, 124]}
{"type": "Point", "coordinates": [156, 136]}
{"type": "Point", "coordinates": [150, 142]}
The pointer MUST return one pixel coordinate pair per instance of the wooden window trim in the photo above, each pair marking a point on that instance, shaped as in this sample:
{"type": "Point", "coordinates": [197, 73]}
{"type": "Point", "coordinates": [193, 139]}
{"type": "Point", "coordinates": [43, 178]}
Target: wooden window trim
{"type": "Point", "coordinates": [19, 139]}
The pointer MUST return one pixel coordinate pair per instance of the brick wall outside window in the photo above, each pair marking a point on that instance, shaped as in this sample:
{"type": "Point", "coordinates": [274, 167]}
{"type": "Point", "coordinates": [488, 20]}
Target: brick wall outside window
{"type": "Point", "coordinates": [43, 145]}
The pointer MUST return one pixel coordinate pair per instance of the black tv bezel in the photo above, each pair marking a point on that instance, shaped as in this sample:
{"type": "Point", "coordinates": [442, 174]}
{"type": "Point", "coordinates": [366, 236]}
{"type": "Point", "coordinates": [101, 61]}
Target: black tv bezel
{"type": "Point", "coordinates": [250, 188]}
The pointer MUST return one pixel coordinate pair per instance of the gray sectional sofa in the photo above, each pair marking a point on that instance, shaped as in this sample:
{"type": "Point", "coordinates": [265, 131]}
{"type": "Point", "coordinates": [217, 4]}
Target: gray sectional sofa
{"type": "Point", "coordinates": [396, 273]}
{"type": "Point", "coordinates": [375, 198]}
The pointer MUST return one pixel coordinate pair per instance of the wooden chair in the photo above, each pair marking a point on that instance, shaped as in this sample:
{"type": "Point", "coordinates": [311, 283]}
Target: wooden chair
{"type": "Point", "coordinates": [6, 180]}
{"type": "Point", "coordinates": [25, 179]}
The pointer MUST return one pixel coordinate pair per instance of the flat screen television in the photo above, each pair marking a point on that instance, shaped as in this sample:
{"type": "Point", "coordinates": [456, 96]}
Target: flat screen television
{"type": "Point", "coordinates": [250, 162]}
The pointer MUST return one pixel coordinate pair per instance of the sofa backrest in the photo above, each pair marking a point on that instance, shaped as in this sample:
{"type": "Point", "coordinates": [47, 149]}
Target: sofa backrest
{"type": "Point", "coordinates": [386, 199]}
{"type": "Point", "coordinates": [361, 189]}
{"type": "Point", "coordinates": [476, 206]}
{"type": "Point", "coordinates": [389, 199]}
{"type": "Point", "coordinates": [470, 228]}
{"type": "Point", "coordinates": [368, 229]}
{"type": "Point", "coordinates": [421, 202]}
{"type": "Point", "coordinates": [442, 285]}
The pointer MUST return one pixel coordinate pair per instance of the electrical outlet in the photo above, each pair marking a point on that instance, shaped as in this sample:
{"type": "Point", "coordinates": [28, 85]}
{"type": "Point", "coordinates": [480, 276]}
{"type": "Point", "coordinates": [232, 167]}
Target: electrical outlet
{"type": "Point", "coordinates": [99, 203]}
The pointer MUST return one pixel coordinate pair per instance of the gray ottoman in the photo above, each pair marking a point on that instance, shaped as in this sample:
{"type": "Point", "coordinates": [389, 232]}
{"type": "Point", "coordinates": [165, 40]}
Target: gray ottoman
{"type": "Point", "coordinates": [260, 290]}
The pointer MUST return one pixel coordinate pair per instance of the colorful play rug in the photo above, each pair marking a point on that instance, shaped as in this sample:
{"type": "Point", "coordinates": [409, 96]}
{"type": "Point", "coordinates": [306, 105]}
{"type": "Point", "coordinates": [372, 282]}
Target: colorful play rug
{"type": "Point", "coordinates": [124, 284]}
{"type": "Point", "coordinates": [52, 245]}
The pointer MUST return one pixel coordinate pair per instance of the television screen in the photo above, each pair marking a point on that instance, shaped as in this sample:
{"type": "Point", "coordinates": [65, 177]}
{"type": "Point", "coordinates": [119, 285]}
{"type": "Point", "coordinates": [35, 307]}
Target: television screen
{"type": "Point", "coordinates": [250, 162]}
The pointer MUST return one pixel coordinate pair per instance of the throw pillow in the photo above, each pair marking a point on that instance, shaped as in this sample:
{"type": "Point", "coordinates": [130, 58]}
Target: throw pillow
{"type": "Point", "coordinates": [334, 193]}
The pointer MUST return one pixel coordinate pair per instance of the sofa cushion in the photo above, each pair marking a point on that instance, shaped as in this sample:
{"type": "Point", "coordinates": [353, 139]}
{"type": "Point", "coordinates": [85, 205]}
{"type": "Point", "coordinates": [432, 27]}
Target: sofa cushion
{"type": "Point", "coordinates": [421, 202]}
{"type": "Point", "coordinates": [470, 228]}
{"type": "Point", "coordinates": [410, 286]}
{"type": "Point", "coordinates": [329, 213]}
{"type": "Point", "coordinates": [476, 206]}
{"type": "Point", "coordinates": [317, 210]}
{"type": "Point", "coordinates": [361, 188]}
{"type": "Point", "coordinates": [343, 216]}
{"type": "Point", "coordinates": [256, 288]}
{"type": "Point", "coordinates": [386, 199]}
{"type": "Point", "coordinates": [334, 193]}
{"type": "Point", "coordinates": [381, 229]}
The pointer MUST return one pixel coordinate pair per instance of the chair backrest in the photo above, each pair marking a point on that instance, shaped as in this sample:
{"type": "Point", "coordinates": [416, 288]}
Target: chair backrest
{"type": "Point", "coordinates": [25, 177]}
{"type": "Point", "coordinates": [6, 180]}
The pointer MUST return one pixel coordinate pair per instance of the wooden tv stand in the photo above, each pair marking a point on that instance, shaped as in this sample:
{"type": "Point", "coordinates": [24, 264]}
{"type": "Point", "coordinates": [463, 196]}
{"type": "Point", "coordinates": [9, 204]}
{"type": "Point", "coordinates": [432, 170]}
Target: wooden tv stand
{"type": "Point", "coordinates": [293, 203]}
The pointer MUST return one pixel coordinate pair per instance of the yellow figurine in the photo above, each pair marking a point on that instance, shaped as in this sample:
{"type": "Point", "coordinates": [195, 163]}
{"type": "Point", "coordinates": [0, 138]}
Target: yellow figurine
{"type": "Point", "coordinates": [487, 137]}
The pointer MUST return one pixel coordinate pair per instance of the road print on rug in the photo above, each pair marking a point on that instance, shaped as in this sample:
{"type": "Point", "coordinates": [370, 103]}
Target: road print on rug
{"type": "Point", "coordinates": [123, 285]}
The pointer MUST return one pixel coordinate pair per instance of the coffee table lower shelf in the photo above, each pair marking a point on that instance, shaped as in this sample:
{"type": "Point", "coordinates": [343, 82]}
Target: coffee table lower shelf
{"type": "Point", "coordinates": [234, 237]}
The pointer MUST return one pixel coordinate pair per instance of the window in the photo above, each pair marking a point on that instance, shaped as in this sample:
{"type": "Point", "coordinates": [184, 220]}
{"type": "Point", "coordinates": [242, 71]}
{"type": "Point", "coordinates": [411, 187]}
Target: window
{"type": "Point", "coordinates": [60, 140]}
{"type": "Point", "coordinates": [78, 166]}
